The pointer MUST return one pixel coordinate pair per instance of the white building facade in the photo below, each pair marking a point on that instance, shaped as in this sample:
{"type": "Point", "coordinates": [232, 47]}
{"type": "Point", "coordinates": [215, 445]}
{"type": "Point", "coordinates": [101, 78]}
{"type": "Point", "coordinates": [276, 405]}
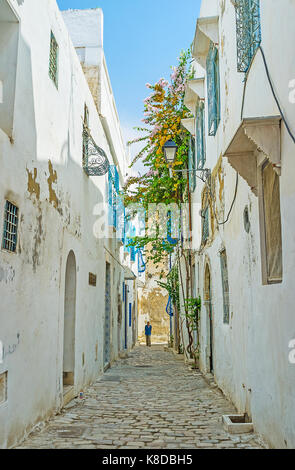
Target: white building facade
{"type": "Point", "coordinates": [62, 268]}
{"type": "Point", "coordinates": [243, 211]}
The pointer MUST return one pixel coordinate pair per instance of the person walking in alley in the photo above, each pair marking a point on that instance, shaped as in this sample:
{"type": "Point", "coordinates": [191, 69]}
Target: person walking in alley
{"type": "Point", "coordinates": [148, 333]}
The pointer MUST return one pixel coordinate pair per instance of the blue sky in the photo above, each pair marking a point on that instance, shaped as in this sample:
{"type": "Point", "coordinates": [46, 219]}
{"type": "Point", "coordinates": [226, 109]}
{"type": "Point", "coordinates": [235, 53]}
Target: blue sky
{"type": "Point", "coordinates": [142, 39]}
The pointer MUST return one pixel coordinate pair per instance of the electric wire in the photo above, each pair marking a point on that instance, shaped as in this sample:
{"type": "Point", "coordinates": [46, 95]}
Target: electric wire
{"type": "Point", "coordinates": [274, 95]}
{"type": "Point", "coordinates": [272, 90]}
{"type": "Point", "coordinates": [232, 204]}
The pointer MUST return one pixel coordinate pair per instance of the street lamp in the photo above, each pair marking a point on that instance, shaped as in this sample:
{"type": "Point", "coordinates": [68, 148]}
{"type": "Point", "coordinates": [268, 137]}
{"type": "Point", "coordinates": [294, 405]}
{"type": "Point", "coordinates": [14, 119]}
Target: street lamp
{"type": "Point", "coordinates": [170, 150]}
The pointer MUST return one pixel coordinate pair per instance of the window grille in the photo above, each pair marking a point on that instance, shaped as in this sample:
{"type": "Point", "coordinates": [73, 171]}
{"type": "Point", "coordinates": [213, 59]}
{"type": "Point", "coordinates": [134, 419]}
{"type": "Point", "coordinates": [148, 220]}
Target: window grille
{"type": "Point", "coordinates": [213, 88]}
{"type": "Point", "coordinates": [200, 136]}
{"type": "Point", "coordinates": [53, 60]}
{"type": "Point", "coordinates": [192, 165]}
{"type": "Point", "coordinates": [10, 227]}
{"type": "Point", "coordinates": [248, 31]}
{"type": "Point", "coordinates": [95, 161]}
{"type": "Point", "coordinates": [225, 286]}
{"type": "Point", "coordinates": [205, 231]}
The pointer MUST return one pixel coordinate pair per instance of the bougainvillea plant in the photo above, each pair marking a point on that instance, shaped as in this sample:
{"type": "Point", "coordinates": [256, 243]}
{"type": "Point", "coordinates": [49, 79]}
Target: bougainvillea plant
{"type": "Point", "coordinates": [163, 111]}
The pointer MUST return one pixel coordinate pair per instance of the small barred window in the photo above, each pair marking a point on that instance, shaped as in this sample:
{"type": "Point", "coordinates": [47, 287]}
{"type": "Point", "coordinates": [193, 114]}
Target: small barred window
{"type": "Point", "coordinates": [53, 60]}
{"type": "Point", "coordinates": [10, 227]}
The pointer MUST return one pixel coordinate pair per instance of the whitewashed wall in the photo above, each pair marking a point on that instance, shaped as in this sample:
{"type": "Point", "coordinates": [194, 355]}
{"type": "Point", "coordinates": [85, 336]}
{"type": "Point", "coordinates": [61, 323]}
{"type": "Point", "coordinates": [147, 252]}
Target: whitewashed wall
{"type": "Point", "coordinates": [251, 353]}
{"type": "Point", "coordinates": [41, 172]}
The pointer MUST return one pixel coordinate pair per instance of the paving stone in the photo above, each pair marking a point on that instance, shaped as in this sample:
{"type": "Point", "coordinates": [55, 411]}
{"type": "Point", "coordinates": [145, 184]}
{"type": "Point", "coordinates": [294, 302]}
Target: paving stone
{"type": "Point", "coordinates": [165, 406]}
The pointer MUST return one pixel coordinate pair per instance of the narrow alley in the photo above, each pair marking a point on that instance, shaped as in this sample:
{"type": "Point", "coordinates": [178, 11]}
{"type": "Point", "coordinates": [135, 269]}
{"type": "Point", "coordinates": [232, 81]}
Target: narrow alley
{"type": "Point", "coordinates": [147, 197]}
{"type": "Point", "coordinates": [151, 400]}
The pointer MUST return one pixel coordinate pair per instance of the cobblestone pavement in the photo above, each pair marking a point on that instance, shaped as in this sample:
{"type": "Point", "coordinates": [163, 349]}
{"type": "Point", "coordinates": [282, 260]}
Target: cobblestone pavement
{"type": "Point", "coordinates": [149, 400]}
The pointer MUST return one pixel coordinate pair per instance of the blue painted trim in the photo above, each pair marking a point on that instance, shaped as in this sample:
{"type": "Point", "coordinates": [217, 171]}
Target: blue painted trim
{"type": "Point", "coordinates": [130, 314]}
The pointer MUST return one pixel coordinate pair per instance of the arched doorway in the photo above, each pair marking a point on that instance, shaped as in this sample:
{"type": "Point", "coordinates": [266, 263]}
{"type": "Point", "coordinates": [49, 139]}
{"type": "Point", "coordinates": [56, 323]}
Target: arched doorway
{"type": "Point", "coordinates": [208, 304]}
{"type": "Point", "coordinates": [69, 321]}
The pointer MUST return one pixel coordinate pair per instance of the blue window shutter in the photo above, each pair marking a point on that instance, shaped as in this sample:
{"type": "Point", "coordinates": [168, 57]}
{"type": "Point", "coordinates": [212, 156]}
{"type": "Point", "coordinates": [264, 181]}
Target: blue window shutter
{"type": "Point", "coordinates": [192, 165]}
{"type": "Point", "coordinates": [193, 173]}
{"type": "Point", "coordinates": [110, 197]}
{"type": "Point", "coordinates": [190, 158]}
{"type": "Point", "coordinates": [126, 232]}
{"type": "Point", "coordinates": [133, 253]}
{"type": "Point", "coordinates": [116, 180]}
{"type": "Point", "coordinates": [123, 225]}
{"type": "Point", "coordinates": [113, 196]}
{"type": "Point", "coordinates": [200, 136]}
{"type": "Point", "coordinates": [212, 68]}
{"type": "Point", "coordinates": [116, 197]}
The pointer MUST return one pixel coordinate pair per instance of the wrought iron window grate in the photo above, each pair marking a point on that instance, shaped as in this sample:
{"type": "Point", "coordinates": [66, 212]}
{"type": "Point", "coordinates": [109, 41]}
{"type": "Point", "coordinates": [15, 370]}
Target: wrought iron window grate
{"type": "Point", "coordinates": [10, 227]}
{"type": "Point", "coordinates": [225, 286]}
{"type": "Point", "coordinates": [248, 31]}
{"type": "Point", "coordinates": [95, 162]}
{"type": "Point", "coordinates": [53, 60]}
{"type": "Point", "coordinates": [200, 136]}
{"type": "Point", "coordinates": [213, 87]}
{"type": "Point", "coordinates": [205, 230]}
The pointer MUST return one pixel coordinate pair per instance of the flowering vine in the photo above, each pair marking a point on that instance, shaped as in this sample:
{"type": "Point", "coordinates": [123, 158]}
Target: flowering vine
{"type": "Point", "coordinates": [163, 111]}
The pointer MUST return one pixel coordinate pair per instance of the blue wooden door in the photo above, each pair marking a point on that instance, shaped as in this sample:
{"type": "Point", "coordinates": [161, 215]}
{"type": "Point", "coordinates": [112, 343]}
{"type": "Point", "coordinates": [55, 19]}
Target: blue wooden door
{"type": "Point", "coordinates": [107, 321]}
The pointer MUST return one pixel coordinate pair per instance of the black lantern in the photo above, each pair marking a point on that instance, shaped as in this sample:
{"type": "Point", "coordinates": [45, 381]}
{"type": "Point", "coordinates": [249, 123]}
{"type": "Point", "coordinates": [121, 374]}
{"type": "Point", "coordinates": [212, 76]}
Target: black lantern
{"type": "Point", "coordinates": [170, 150]}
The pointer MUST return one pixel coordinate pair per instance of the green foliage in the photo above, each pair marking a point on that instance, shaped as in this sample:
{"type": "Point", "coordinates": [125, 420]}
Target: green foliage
{"type": "Point", "coordinates": [192, 311]}
{"type": "Point", "coordinates": [172, 286]}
